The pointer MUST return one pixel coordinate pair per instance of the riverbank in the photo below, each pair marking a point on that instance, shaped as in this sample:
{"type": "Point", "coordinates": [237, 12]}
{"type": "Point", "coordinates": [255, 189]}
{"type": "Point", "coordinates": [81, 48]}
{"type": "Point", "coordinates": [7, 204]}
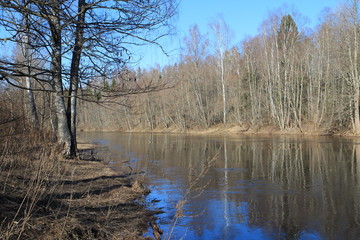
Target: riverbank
{"type": "Point", "coordinates": [221, 129]}
{"type": "Point", "coordinates": [44, 196]}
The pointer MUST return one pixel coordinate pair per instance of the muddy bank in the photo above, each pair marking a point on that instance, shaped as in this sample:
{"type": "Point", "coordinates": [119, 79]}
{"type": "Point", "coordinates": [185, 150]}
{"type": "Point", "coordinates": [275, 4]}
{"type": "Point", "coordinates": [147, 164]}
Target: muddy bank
{"type": "Point", "coordinates": [44, 196]}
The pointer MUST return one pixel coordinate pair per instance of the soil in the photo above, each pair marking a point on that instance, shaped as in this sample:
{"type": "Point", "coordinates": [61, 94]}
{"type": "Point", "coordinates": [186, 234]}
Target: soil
{"type": "Point", "coordinates": [73, 199]}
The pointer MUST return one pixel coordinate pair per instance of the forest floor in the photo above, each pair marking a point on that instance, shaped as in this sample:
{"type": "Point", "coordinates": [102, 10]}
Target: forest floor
{"type": "Point", "coordinates": [50, 197]}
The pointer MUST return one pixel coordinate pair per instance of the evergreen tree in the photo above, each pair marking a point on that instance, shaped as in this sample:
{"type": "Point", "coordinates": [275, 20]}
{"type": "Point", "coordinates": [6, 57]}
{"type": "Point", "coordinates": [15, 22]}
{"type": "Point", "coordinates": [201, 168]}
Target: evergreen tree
{"type": "Point", "coordinates": [287, 33]}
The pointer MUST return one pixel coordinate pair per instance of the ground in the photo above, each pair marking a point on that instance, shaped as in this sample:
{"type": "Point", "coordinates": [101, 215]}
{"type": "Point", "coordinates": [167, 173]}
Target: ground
{"type": "Point", "coordinates": [55, 198]}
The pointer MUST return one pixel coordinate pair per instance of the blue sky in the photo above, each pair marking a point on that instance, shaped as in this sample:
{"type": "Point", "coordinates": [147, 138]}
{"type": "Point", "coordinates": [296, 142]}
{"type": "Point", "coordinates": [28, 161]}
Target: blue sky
{"type": "Point", "coordinates": [243, 16]}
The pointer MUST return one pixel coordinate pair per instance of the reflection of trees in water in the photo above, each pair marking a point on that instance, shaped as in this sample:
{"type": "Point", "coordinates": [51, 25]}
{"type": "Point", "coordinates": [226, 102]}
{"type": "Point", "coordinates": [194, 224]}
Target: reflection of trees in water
{"type": "Point", "coordinates": [317, 189]}
{"type": "Point", "coordinates": [288, 186]}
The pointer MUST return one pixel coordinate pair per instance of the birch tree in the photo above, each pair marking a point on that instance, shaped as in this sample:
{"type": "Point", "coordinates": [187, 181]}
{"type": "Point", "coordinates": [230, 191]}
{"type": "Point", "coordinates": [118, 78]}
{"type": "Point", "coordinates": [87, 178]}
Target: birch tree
{"type": "Point", "coordinates": [195, 51]}
{"type": "Point", "coordinates": [252, 53]}
{"type": "Point", "coordinates": [283, 70]}
{"type": "Point", "coordinates": [223, 35]}
{"type": "Point", "coordinates": [26, 51]}
{"type": "Point", "coordinates": [349, 18]}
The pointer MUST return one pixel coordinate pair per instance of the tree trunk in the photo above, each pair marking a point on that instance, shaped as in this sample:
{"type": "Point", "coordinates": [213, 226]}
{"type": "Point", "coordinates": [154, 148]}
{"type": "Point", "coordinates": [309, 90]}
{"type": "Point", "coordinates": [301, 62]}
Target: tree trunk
{"type": "Point", "coordinates": [356, 110]}
{"type": "Point", "coordinates": [62, 124]}
{"type": "Point", "coordinates": [32, 104]}
{"type": "Point", "coordinates": [27, 56]}
{"type": "Point", "coordinates": [223, 87]}
{"type": "Point", "coordinates": [74, 74]}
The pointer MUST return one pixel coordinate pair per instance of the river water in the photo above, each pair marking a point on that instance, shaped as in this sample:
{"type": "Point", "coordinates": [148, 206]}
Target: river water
{"type": "Point", "coordinates": [242, 187]}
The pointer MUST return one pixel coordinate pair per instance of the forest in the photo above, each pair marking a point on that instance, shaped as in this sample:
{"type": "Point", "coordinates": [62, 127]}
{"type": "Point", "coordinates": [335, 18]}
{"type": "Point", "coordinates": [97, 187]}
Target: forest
{"type": "Point", "coordinates": [288, 76]}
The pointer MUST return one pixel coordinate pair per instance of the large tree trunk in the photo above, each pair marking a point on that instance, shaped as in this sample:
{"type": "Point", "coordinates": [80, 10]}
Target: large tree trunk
{"type": "Point", "coordinates": [62, 124]}
{"type": "Point", "coordinates": [74, 74]}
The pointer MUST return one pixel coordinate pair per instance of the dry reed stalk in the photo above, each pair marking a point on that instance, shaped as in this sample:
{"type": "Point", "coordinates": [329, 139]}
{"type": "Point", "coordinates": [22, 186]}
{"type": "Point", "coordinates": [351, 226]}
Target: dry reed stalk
{"type": "Point", "coordinates": [26, 164]}
{"type": "Point", "coordinates": [194, 190]}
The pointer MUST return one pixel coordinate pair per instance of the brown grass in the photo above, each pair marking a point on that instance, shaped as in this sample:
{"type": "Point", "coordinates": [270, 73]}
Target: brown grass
{"type": "Point", "coordinates": [237, 129]}
{"type": "Point", "coordinates": [43, 196]}
{"type": "Point", "coordinates": [195, 189]}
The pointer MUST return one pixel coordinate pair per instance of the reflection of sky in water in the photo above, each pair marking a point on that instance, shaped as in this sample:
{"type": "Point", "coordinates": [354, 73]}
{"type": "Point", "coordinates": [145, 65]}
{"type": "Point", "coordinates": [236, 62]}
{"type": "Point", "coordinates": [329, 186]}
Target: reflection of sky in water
{"type": "Point", "coordinates": [226, 219]}
{"type": "Point", "coordinates": [261, 188]}
{"type": "Point", "coordinates": [223, 217]}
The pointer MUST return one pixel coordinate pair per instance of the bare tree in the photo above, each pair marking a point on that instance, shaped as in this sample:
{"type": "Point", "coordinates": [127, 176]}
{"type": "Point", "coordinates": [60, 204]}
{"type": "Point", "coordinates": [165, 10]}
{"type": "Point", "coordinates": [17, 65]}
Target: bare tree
{"type": "Point", "coordinates": [97, 33]}
{"type": "Point", "coordinates": [223, 37]}
{"type": "Point", "coordinates": [252, 53]}
{"type": "Point", "coordinates": [349, 18]}
{"type": "Point", "coordinates": [194, 54]}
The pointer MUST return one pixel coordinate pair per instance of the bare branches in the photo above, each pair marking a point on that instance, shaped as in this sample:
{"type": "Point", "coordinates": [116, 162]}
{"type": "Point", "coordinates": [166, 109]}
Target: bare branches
{"type": "Point", "coordinates": [68, 43]}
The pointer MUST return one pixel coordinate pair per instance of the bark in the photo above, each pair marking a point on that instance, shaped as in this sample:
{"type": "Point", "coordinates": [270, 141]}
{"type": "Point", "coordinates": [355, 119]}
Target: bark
{"type": "Point", "coordinates": [32, 104]}
{"type": "Point", "coordinates": [62, 124]}
{"type": "Point", "coordinates": [74, 74]}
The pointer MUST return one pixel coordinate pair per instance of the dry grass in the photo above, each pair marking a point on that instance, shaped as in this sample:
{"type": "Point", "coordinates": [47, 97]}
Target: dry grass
{"type": "Point", "coordinates": [244, 129]}
{"type": "Point", "coordinates": [195, 189]}
{"type": "Point", "coordinates": [43, 196]}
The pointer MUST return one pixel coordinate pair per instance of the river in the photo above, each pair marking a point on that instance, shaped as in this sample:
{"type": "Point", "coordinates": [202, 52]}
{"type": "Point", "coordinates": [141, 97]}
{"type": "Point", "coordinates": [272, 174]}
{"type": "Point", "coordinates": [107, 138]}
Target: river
{"type": "Point", "coordinates": [245, 187]}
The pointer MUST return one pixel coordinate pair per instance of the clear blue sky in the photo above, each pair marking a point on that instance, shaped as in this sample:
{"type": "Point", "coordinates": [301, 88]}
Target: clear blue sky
{"type": "Point", "coordinates": [243, 16]}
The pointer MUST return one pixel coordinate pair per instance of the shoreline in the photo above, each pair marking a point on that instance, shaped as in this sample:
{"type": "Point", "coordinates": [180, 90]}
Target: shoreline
{"type": "Point", "coordinates": [128, 197]}
{"type": "Point", "coordinates": [81, 198]}
{"type": "Point", "coordinates": [231, 130]}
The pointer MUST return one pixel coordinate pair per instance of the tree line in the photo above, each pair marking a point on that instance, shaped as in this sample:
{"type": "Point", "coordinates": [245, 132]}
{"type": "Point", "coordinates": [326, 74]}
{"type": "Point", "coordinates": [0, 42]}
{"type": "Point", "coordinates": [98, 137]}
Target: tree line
{"type": "Point", "coordinates": [288, 76]}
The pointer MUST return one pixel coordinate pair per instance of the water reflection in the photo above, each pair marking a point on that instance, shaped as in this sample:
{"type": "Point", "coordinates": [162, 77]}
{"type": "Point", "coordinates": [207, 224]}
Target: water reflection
{"type": "Point", "coordinates": [258, 187]}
